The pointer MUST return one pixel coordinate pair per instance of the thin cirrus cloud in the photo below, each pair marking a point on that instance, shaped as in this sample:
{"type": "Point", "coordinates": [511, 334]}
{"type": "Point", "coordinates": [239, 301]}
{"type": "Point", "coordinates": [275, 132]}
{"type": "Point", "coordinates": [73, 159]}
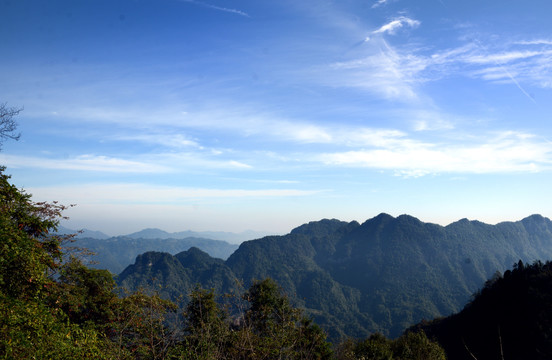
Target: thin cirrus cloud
{"type": "Point", "coordinates": [398, 73]}
{"type": "Point", "coordinates": [504, 152]}
{"type": "Point", "coordinates": [218, 8]}
{"type": "Point", "coordinates": [176, 141]}
{"type": "Point", "coordinates": [396, 24]}
{"type": "Point", "coordinates": [153, 164]}
{"type": "Point", "coordinates": [84, 163]}
{"type": "Point", "coordinates": [387, 73]}
{"type": "Point", "coordinates": [379, 3]}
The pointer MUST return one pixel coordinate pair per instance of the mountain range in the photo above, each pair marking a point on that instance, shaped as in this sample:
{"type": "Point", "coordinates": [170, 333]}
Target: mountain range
{"type": "Point", "coordinates": [117, 252]}
{"type": "Point", "coordinates": [355, 279]}
{"type": "Point", "coordinates": [153, 233]}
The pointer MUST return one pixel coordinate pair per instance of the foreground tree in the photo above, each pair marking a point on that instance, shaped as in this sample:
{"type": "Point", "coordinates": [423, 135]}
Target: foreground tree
{"type": "Point", "coordinates": [273, 329]}
{"type": "Point", "coordinates": [510, 318]}
{"type": "Point", "coordinates": [410, 346]}
{"type": "Point", "coordinates": [145, 326]}
{"type": "Point", "coordinates": [29, 326]}
{"type": "Point", "coordinates": [206, 328]}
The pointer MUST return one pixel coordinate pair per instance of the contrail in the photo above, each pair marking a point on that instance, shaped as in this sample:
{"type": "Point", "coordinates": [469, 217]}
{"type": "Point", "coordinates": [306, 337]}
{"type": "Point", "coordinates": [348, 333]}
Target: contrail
{"type": "Point", "coordinates": [517, 83]}
{"type": "Point", "coordinates": [478, 43]}
{"type": "Point", "coordinates": [214, 7]}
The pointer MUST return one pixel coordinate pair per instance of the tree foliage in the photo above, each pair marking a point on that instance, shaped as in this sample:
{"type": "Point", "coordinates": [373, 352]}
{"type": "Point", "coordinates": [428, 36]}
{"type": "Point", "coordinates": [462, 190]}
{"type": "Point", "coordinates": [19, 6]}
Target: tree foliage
{"type": "Point", "coordinates": [410, 346]}
{"type": "Point", "coordinates": [509, 318]}
{"type": "Point", "coordinates": [30, 327]}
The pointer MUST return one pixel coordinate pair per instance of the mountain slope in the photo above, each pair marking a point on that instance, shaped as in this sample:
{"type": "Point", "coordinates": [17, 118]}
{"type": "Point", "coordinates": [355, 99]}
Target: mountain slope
{"type": "Point", "coordinates": [385, 274]}
{"type": "Point", "coordinates": [510, 318]}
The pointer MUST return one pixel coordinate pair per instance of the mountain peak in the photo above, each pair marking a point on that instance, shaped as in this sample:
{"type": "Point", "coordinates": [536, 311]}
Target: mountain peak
{"type": "Point", "coordinates": [320, 228]}
{"type": "Point", "coordinates": [149, 233]}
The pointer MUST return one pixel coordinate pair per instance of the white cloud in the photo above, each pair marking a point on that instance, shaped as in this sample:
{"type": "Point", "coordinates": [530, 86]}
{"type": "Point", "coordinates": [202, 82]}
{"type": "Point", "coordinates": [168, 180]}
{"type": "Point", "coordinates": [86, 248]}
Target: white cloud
{"type": "Point", "coordinates": [379, 3]}
{"type": "Point", "coordinates": [387, 73]}
{"type": "Point", "coordinates": [397, 73]}
{"type": "Point", "coordinates": [395, 24]}
{"type": "Point", "coordinates": [504, 152]}
{"type": "Point", "coordinates": [83, 163]}
{"type": "Point", "coordinates": [170, 140]}
{"type": "Point", "coordinates": [502, 58]}
{"type": "Point", "coordinates": [535, 42]}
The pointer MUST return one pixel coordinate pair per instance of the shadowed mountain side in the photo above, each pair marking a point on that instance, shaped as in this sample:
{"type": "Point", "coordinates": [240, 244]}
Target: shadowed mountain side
{"type": "Point", "coordinates": [116, 253]}
{"type": "Point", "coordinates": [383, 275]}
{"type": "Point", "coordinates": [510, 318]}
{"type": "Point", "coordinates": [175, 277]}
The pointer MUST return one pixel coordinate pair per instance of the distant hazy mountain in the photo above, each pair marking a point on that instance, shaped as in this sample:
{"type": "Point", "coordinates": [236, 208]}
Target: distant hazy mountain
{"type": "Point", "coordinates": [234, 238]}
{"type": "Point", "coordinates": [353, 279]}
{"type": "Point", "coordinates": [116, 253]}
{"type": "Point", "coordinates": [152, 233]}
{"type": "Point", "coordinates": [84, 233]}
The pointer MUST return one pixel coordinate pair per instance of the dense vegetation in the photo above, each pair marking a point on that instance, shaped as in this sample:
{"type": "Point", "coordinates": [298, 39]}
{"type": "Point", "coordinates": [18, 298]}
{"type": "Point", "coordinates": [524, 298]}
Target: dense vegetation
{"type": "Point", "coordinates": [357, 279]}
{"type": "Point", "coordinates": [54, 307]}
{"type": "Point", "coordinates": [510, 318]}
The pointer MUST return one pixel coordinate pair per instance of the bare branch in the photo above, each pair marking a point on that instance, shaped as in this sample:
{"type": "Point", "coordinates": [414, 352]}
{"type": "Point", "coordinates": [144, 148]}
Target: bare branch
{"type": "Point", "coordinates": [8, 125]}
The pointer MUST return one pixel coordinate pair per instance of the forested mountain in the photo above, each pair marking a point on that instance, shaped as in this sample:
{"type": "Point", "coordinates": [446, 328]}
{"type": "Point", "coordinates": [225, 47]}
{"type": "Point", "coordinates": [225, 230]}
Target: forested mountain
{"type": "Point", "coordinates": [116, 253]}
{"type": "Point", "coordinates": [354, 279]}
{"type": "Point", "coordinates": [510, 318]}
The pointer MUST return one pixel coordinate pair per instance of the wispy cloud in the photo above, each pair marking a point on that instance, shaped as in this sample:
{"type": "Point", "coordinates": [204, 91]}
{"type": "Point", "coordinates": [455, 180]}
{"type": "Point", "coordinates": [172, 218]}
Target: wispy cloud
{"type": "Point", "coordinates": [176, 141]}
{"type": "Point", "coordinates": [388, 73]}
{"type": "Point", "coordinates": [502, 58]}
{"type": "Point", "coordinates": [397, 73]}
{"type": "Point", "coordinates": [535, 42]}
{"type": "Point", "coordinates": [155, 163]}
{"type": "Point", "coordinates": [83, 163]}
{"type": "Point", "coordinates": [379, 3]}
{"type": "Point", "coordinates": [219, 8]}
{"type": "Point", "coordinates": [395, 24]}
{"type": "Point", "coordinates": [504, 152]}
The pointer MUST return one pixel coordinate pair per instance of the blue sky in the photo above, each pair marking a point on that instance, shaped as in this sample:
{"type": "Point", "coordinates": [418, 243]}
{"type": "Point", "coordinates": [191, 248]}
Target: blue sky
{"type": "Point", "coordinates": [263, 115]}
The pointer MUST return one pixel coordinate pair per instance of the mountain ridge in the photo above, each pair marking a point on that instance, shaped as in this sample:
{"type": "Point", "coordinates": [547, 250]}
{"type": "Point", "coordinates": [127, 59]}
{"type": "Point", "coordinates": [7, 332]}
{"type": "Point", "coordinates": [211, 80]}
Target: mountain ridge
{"type": "Point", "coordinates": [156, 233]}
{"type": "Point", "coordinates": [382, 275]}
{"type": "Point", "coordinates": [116, 253]}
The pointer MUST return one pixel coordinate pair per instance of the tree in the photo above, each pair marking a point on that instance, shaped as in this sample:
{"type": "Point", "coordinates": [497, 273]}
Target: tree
{"type": "Point", "coordinates": [28, 251]}
{"type": "Point", "coordinates": [8, 125]}
{"type": "Point", "coordinates": [206, 331]}
{"type": "Point", "coordinates": [86, 295]}
{"type": "Point", "coordinates": [274, 329]}
{"type": "Point", "coordinates": [410, 346]}
{"type": "Point", "coordinates": [29, 326]}
{"type": "Point", "coordinates": [417, 346]}
{"type": "Point", "coordinates": [144, 326]}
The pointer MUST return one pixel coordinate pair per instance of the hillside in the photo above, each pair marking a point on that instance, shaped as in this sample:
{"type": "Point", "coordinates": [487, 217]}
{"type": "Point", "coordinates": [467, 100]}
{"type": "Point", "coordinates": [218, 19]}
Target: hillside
{"type": "Point", "coordinates": [354, 279]}
{"type": "Point", "coordinates": [510, 318]}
